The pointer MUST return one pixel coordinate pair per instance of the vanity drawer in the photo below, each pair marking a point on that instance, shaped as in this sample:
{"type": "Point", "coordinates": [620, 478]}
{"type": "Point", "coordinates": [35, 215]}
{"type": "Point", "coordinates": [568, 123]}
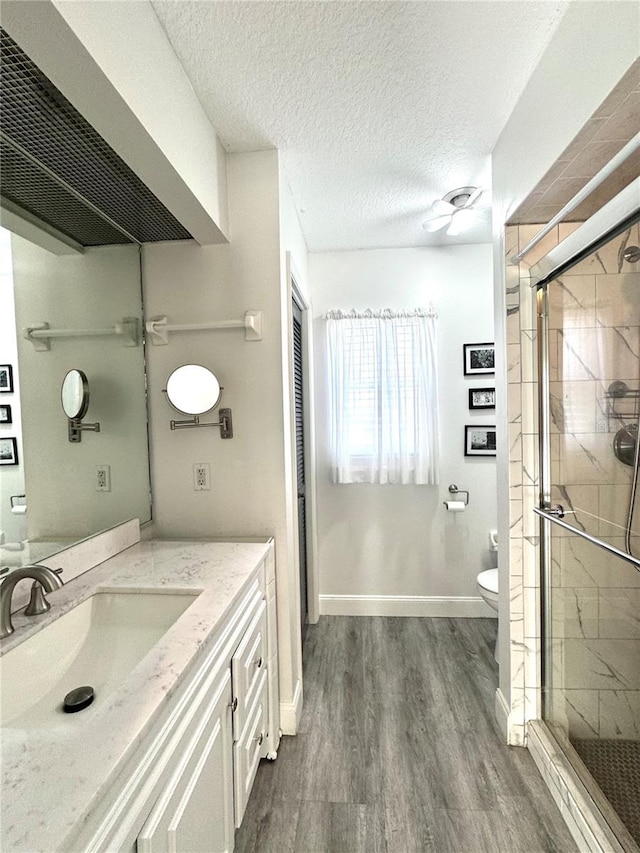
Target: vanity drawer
{"type": "Point", "coordinates": [250, 748]}
{"type": "Point", "coordinates": [248, 664]}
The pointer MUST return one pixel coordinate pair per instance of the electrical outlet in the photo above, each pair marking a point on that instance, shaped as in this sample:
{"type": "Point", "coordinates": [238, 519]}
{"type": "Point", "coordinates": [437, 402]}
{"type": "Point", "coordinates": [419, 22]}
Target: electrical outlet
{"type": "Point", "coordinates": [201, 476]}
{"type": "Point", "coordinates": [602, 425]}
{"type": "Point", "coordinates": [103, 478]}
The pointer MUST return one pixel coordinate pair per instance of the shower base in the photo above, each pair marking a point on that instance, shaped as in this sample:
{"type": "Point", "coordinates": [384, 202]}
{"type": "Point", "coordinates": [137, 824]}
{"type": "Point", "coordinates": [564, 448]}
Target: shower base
{"type": "Point", "coordinates": [615, 766]}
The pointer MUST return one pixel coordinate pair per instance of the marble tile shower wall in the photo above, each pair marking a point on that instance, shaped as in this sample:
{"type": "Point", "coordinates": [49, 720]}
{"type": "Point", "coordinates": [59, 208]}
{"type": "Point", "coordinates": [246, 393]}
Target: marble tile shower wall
{"type": "Point", "coordinates": [594, 340]}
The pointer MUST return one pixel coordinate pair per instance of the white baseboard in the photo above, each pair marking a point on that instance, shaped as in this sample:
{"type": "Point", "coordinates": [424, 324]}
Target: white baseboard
{"type": "Point", "coordinates": [290, 712]}
{"type": "Point", "coordinates": [404, 605]}
{"type": "Point", "coordinates": [501, 710]}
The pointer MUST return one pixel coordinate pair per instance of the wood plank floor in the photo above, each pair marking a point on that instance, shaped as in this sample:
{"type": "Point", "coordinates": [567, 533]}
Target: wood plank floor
{"type": "Point", "coordinates": [399, 751]}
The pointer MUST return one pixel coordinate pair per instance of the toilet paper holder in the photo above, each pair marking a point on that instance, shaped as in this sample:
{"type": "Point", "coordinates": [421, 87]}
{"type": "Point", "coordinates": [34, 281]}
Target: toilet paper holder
{"type": "Point", "coordinates": [454, 490]}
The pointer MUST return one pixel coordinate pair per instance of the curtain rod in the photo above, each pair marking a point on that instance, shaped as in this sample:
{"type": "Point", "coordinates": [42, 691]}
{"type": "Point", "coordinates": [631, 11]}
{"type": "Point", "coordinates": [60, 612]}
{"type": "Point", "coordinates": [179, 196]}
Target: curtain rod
{"type": "Point", "coordinates": [379, 313]}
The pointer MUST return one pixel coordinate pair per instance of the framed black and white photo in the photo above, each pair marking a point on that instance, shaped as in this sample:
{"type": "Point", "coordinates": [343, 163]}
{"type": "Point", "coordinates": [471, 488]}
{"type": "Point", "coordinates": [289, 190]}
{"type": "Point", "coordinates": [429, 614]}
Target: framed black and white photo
{"type": "Point", "coordinates": [479, 358]}
{"type": "Point", "coordinates": [6, 378]}
{"type": "Point", "coordinates": [8, 451]}
{"type": "Point", "coordinates": [482, 398]}
{"type": "Point", "coordinates": [479, 441]}
{"type": "Point", "coordinates": [5, 414]}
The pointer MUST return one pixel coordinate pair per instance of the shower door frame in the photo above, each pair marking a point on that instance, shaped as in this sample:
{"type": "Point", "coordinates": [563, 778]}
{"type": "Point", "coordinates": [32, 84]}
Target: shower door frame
{"type": "Point", "coordinates": [556, 263]}
{"type": "Point", "coordinates": [553, 514]}
{"type": "Point", "coordinates": [613, 219]}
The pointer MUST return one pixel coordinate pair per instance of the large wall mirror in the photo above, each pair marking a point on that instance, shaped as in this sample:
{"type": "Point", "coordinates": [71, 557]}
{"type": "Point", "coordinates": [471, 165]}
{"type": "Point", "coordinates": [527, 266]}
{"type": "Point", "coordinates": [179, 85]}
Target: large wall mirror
{"type": "Point", "coordinates": [62, 484]}
{"type": "Point", "coordinates": [64, 188]}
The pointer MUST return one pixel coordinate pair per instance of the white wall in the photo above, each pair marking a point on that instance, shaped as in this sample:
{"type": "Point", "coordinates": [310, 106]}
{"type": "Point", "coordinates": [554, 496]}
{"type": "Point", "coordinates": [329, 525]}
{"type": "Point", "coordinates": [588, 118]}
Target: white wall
{"type": "Point", "coordinates": [592, 48]}
{"type": "Point", "coordinates": [292, 239]}
{"type": "Point", "coordinates": [249, 473]}
{"type": "Point", "coordinates": [399, 541]}
{"type": "Point", "coordinates": [115, 64]}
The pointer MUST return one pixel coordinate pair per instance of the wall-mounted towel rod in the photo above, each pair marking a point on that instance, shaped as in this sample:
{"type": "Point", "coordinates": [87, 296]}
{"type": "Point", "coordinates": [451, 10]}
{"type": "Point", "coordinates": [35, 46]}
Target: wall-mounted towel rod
{"type": "Point", "coordinates": [158, 328]}
{"type": "Point", "coordinates": [40, 334]}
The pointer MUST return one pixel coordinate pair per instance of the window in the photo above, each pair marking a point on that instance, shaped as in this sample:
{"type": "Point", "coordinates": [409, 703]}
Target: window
{"type": "Point", "coordinates": [383, 396]}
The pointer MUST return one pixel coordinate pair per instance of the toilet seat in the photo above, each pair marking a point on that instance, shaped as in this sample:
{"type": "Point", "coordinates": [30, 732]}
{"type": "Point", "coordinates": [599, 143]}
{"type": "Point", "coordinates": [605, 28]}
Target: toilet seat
{"type": "Point", "coordinates": [488, 588]}
{"type": "Point", "coordinates": [488, 580]}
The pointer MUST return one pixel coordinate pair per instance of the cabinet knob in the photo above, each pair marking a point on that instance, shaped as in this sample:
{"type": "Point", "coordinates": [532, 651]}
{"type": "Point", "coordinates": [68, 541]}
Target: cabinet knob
{"type": "Point", "coordinates": [259, 740]}
{"type": "Point", "coordinates": [234, 705]}
{"type": "Point", "coordinates": [258, 662]}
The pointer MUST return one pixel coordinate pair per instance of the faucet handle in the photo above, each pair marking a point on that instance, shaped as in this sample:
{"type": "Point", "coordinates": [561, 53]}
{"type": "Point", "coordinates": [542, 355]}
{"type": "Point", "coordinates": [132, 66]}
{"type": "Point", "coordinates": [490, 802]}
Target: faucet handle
{"type": "Point", "coordinates": [37, 600]}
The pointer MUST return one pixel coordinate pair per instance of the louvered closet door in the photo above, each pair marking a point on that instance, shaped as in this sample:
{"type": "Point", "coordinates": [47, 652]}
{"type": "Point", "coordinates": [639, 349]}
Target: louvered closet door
{"type": "Point", "coordinates": [299, 412]}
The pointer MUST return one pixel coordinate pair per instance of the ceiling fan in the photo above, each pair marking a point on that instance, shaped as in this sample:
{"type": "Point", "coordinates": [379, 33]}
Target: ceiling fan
{"type": "Point", "coordinates": [455, 209]}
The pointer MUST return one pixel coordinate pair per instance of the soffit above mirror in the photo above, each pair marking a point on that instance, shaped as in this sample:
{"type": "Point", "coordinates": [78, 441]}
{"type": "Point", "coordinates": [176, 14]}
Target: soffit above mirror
{"type": "Point", "coordinates": [58, 169]}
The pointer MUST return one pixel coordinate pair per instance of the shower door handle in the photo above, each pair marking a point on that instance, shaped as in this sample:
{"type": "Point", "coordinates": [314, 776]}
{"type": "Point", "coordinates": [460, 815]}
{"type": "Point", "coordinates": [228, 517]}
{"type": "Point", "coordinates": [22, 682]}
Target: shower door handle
{"type": "Point", "coordinates": [552, 515]}
{"type": "Point", "coordinates": [556, 511]}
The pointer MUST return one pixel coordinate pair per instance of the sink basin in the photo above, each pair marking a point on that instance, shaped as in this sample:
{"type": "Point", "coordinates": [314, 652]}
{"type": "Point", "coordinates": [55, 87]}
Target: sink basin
{"type": "Point", "coordinates": [98, 643]}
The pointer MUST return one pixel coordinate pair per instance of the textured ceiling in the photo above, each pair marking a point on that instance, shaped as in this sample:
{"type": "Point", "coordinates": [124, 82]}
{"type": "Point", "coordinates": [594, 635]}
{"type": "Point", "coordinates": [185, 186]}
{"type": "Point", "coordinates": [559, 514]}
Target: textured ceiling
{"type": "Point", "coordinates": [377, 108]}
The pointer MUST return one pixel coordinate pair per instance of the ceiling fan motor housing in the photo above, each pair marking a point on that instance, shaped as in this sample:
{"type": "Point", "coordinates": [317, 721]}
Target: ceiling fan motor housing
{"type": "Point", "coordinates": [459, 197]}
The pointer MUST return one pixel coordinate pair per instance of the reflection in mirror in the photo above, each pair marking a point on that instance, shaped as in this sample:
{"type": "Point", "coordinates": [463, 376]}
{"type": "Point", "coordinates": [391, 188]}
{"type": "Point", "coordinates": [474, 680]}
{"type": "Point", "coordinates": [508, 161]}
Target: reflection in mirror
{"type": "Point", "coordinates": [193, 389]}
{"type": "Point", "coordinates": [75, 402]}
{"type": "Point", "coordinates": [75, 394]}
{"type": "Point", "coordinates": [64, 501]}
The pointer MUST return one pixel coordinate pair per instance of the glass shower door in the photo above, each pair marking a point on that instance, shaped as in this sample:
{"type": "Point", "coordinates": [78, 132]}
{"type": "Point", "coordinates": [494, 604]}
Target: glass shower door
{"type": "Point", "coordinates": [591, 395]}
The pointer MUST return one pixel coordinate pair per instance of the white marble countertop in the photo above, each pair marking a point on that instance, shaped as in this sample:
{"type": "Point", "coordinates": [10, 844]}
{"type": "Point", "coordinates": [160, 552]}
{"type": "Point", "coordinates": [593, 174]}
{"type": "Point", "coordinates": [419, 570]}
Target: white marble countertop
{"type": "Point", "coordinates": [53, 778]}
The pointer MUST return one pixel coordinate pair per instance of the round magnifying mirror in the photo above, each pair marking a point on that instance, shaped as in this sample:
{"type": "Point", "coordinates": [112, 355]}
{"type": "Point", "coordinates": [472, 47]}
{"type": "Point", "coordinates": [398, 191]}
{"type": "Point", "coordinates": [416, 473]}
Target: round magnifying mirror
{"type": "Point", "coordinates": [193, 389]}
{"type": "Point", "coordinates": [75, 394]}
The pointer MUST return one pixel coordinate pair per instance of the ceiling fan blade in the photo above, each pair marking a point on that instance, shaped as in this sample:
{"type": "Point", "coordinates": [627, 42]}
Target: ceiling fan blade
{"type": "Point", "coordinates": [442, 207]}
{"type": "Point", "coordinates": [473, 198]}
{"type": "Point", "coordinates": [463, 219]}
{"type": "Point", "coordinates": [437, 223]}
{"type": "Point", "coordinates": [456, 227]}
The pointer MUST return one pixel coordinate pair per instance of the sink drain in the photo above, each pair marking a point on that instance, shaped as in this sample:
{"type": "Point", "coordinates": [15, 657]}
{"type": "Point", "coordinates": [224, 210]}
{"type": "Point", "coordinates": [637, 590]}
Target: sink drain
{"type": "Point", "coordinates": [78, 699]}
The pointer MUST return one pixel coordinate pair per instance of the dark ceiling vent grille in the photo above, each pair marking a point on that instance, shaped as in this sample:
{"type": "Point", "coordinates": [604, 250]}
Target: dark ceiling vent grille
{"type": "Point", "coordinates": [35, 192]}
{"type": "Point", "coordinates": [53, 161]}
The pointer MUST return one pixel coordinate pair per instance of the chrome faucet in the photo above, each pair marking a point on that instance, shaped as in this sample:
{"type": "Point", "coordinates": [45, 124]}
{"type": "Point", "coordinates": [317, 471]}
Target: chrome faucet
{"type": "Point", "coordinates": [44, 575]}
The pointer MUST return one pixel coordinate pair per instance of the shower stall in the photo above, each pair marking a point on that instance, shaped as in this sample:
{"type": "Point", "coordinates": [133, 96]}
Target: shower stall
{"type": "Point", "coordinates": [588, 334]}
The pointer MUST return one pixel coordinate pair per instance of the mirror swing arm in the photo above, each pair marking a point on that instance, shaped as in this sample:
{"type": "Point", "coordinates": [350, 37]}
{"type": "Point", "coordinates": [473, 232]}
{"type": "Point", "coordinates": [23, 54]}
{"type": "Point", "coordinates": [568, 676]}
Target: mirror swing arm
{"type": "Point", "coordinates": [225, 423]}
{"type": "Point", "coordinates": [76, 428]}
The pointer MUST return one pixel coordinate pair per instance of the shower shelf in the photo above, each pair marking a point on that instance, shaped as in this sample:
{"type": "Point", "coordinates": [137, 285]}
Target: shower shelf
{"type": "Point", "coordinates": [620, 403]}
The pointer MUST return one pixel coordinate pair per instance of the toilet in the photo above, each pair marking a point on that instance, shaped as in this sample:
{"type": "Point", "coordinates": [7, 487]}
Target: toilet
{"type": "Point", "coordinates": [488, 588]}
{"type": "Point", "coordinates": [488, 583]}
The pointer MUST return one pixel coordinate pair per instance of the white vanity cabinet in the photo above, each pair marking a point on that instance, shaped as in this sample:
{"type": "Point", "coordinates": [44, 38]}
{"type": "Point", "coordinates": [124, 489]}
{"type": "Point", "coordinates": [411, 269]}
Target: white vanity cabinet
{"type": "Point", "coordinates": [194, 813]}
{"type": "Point", "coordinates": [186, 786]}
{"type": "Point", "coordinates": [207, 793]}
{"type": "Point", "coordinates": [250, 709]}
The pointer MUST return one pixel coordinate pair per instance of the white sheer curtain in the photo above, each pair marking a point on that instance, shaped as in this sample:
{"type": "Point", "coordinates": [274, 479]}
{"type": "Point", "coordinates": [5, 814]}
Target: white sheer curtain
{"type": "Point", "coordinates": [383, 396]}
